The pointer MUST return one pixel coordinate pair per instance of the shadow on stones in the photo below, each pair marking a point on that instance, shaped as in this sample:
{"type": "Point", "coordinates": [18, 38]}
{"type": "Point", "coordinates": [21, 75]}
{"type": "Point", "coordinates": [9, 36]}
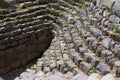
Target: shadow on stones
{"type": "Point", "coordinates": [16, 72]}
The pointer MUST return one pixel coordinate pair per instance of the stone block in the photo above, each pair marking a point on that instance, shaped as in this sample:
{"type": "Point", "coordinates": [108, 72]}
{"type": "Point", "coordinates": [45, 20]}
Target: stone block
{"type": "Point", "coordinates": [103, 68]}
{"type": "Point", "coordinates": [116, 8]}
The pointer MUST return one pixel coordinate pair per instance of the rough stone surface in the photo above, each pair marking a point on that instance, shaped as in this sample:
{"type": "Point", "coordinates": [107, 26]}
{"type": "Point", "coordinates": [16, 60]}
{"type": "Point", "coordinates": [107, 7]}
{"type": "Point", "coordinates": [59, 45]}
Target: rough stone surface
{"type": "Point", "coordinates": [85, 47]}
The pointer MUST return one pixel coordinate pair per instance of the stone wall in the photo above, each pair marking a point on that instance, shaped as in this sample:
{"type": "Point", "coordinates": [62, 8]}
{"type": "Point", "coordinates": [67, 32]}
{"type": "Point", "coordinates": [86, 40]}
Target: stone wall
{"type": "Point", "coordinates": [24, 34]}
{"type": "Point", "coordinates": [90, 31]}
{"type": "Point", "coordinates": [113, 5]}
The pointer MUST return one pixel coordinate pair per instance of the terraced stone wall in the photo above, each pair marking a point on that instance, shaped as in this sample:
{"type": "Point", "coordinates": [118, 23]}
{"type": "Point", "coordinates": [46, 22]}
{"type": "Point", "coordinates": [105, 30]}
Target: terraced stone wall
{"type": "Point", "coordinates": [89, 30]}
{"type": "Point", "coordinates": [25, 33]}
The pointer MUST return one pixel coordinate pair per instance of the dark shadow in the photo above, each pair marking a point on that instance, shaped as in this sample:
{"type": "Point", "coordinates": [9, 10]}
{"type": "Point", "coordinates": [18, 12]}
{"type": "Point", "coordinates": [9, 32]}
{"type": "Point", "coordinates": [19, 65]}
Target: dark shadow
{"type": "Point", "coordinates": [16, 72]}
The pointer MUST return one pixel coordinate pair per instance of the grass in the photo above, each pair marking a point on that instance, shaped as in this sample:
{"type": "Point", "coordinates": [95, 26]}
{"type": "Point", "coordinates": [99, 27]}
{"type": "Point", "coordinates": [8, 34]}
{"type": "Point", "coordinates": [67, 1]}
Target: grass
{"type": "Point", "coordinates": [93, 70]}
{"type": "Point", "coordinates": [102, 48]}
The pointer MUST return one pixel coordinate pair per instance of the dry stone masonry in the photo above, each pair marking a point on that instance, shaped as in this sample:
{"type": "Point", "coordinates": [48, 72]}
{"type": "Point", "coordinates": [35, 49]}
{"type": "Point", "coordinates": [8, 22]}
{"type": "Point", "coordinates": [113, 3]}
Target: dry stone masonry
{"type": "Point", "coordinates": [24, 35]}
{"type": "Point", "coordinates": [86, 44]}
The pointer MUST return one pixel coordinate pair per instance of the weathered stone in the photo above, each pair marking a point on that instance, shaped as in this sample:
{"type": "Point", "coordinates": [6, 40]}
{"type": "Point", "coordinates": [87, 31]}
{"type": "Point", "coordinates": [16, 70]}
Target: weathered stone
{"type": "Point", "coordinates": [82, 50]}
{"type": "Point", "coordinates": [85, 67]}
{"type": "Point", "coordinates": [72, 53]}
{"type": "Point", "coordinates": [112, 18]}
{"type": "Point", "coordinates": [117, 68]}
{"type": "Point", "coordinates": [106, 42]}
{"type": "Point", "coordinates": [116, 8]}
{"type": "Point", "coordinates": [108, 77]}
{"type": "Point", "coordinates": [55, 76]}
{"type": "Point", "coordinates": [116, 49]}
{"type": "Point", "coordinates": [70, 65]}
{"type": "Point", "coordinates": [68, 75]}
{"type": "Point", "coordinates": [82, 15]}
{"type": "Point", "coordinates": [80, 76]}
{"type": "Point", "coordinates": [26, 76]}
{"type": "Point", "coordinates": [77, 60]}
{"type": "Point", "coordinates": [46, 69]}
{"type": "Point", "coordinates": [39, 74]}
{"type": "Point", "coordinates": [65, 57]}
{"type": "Point", "coordinates": [90, 40]}
{"type": "Point", "coordinates": [106, 55]}
{"type": "Point", "coordinates": [70, 19]}
{"type": "Point", "coordinates": [90, 57]}
{"type": "Point", "coordinates": [103, 68]}
{"type": "Point", "coordinates": [94, 76]}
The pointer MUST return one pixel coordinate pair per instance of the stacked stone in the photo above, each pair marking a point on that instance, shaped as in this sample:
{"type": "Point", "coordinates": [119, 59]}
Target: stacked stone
{"type": "Point", "coordinates": [24, 36]}
{"type": "Point", "coordinates": [83, 47]}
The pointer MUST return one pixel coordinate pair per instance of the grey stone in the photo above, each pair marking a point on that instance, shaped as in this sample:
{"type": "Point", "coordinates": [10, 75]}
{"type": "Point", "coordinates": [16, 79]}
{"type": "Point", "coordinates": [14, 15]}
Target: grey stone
{"type": "Point", "coordinates": [116, 8]}
{"type": "Point", "coordinates": [117, 20]}
{"type": "Point", "coordinates": [103, 68]}
{"type": "Point", "coordinates": [98, 2]}
{"type": "Point", "coordinates": [118, 29]}
{"type": "Point", "coordinates": [55, 76]}
{"type": "Point", "coordinates": [61, 67]}
{"type": "Point", "coordinates": [80, 76]}
{"type": "Point", "coordinates": [82, 15]}
{"type": "Point", "coordinates": [94, 76]}
{"type": "Point", "coordinates": [72, 53]}
{"type": "Point", "coordinates": [108, 3]}
{"type": "Point", "coordinates": [106, 55]}
{"type": "Point", "coordinates": [87, 26]}
{"type": "Point", "coordinates": [39, 74]}
{"type": "Point", "coordinates": [89, 41]}
{"type": "Point", "coordinates": [117, 68]}
{"type": "Point", "coordinates": [108, 77]}
{"type": "Point", "coordinates": [103, 20]}
{"type": "Point", "coordinates": [65, 57]}
{"type": "Point", "coordinates": [85, 67]}
{"type": "Point", "coordinates": [111, 25]}
{"type": "Point", "coordinates": [26, 76]}
{"type": "Point", "coordinates": [70, 19]}
{"type": "Point", "coordinates": [70, 65]}
{"type": "Point", "coordinates": [112, 18]}
{"type": "Point", "coordinates": [68, 75]}
{"type": "Point", "coordinates": [82, 50]}
{"type": "Point", "coordinates": [106, 14]}
{"type": "Point", "coordinates": [106, 42]}
{"type": "Point", "coordinates": [97, 33]}
{"type": "Point", "coordinates": [116, 49]}
{"type": "Point", "coordinates": [94, 46]}
{"type": "Point", "coordinates": [90, 57]}
{"type": "Point", "coordinates": [1, 78]}
{"type": "Point", "coordinates": [93, 21]}
{"type": "Point", "coordinates": [46, 69]}
{"type": "Point", "coordinates": [77, 60]}
{"type": "Point", "coordinates": [52, 64]}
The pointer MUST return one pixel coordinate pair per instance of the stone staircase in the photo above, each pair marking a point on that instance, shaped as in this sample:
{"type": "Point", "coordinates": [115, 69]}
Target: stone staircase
{"type": "Point", "coordinates": [86, 43]}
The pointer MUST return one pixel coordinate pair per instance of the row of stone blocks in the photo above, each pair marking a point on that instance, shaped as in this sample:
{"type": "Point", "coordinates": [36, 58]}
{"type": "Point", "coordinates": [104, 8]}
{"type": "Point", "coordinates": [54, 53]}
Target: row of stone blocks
{"type": "Point", "coordinates": [29, 48]}
{"type": "Point", "coordinates": [24, 35]}
{"type": "Point", "coordinates": [92, 33]}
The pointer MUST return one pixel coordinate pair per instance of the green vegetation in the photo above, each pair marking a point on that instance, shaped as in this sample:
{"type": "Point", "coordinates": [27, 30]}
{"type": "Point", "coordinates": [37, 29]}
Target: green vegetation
{"type": "Point", "coordinates": [93, 70]}
{"type": "Point", "coordinates": [102, 48]}
{"type": "Point", "coordinates": [60, 11]}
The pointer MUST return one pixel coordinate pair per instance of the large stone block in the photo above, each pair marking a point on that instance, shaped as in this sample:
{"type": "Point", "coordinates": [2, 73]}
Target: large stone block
{"type": "Point", "coordinates": [116, 8]}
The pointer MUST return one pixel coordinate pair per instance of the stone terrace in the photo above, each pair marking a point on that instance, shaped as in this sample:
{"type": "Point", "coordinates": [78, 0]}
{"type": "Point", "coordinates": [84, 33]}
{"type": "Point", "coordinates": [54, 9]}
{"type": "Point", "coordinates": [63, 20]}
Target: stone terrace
{"type": "Point", "coordinates": [86, 43]}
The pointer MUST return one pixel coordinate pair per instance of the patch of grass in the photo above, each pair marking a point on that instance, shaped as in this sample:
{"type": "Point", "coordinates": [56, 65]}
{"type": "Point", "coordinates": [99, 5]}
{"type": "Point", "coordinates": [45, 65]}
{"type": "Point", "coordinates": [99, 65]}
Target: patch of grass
{"type": "Point", "coordinates": [102, 48]}
{"type": "Point", "coordinates": [93, 70]}
{"type": "Point", "coordinates": [60, 11]}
